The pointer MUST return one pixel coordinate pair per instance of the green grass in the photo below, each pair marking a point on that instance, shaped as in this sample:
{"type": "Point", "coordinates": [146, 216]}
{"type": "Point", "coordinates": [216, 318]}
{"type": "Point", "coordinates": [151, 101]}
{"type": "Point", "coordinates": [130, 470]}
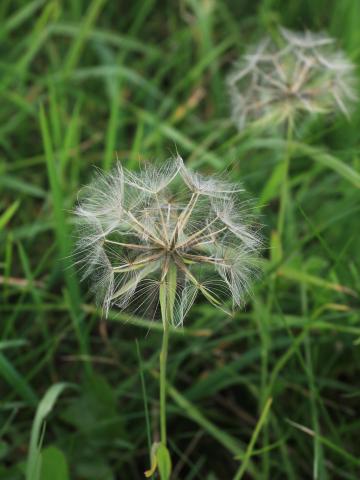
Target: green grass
{"type": "Point", "coordinates": [82, 81]}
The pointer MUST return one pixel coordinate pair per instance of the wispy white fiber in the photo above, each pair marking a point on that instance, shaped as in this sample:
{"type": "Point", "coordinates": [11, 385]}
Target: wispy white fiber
{"type": "Point", "coordinates": [133, 226]}
{"type": "Point", "coordinates": [276, 83]}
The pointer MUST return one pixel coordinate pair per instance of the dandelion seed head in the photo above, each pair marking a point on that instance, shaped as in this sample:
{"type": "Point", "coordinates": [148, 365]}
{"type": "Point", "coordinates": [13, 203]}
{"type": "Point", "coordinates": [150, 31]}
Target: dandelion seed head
{"type": "Point", "coordinates": [306, 74]}
{"type": "Point", "coordinates": [133, 226]}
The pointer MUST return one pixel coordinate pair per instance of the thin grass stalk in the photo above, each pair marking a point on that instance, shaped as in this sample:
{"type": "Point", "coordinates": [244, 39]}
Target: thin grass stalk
{"type": "Point", "coordinates": [285, 190]}
{"type": "Point", "coordinates": [167, 300]}
{"type": "Point", "coordinates": [163, 361]}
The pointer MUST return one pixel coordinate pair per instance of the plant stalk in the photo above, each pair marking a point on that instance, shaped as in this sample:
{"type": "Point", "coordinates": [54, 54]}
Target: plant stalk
{"type": "Point", "coordinates": [163, 361]}
{"type": "Point", "coordinates": [285, 191]}
{"type": "Point", "coordinates": [167, 301]}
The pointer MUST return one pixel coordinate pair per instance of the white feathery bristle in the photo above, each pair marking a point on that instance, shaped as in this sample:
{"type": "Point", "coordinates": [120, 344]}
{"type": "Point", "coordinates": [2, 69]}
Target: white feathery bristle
{"type": "Point", "coordinates": [134, 227]}
{"type": "Point", "coordinates": [273, 85]}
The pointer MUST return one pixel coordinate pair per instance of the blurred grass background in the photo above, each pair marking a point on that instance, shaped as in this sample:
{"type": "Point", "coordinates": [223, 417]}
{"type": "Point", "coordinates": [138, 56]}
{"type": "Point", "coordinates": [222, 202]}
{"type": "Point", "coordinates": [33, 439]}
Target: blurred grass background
{"type": "Point", "coordinates": [83, 79]}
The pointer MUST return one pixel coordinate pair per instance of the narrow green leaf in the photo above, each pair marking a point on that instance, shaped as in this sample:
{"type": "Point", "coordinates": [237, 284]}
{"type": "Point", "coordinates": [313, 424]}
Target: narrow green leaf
{"type": "Point", "coordinates": [112, 38]}
{"type": "Point", "coordinates": [53, 174]}
{"type": "Point", "coordinates": [78, 44]}
{"type": "Point", "coordinates": [315, 153]}
{"type": "Point", "coordinates": [244, 465]}
{"type": "Point", "coordinates": [271, 187]}
{"type": "Point", "coordinates": [39, 34]}
{"type": "Point", "coordinates": [21, 16]}
{"type": "Point", "coordinates": [111, 132]}
{"type": "Point", "coordinates": [226, 440]}
{"type": "Point", "coordinates": [303, 277]}
{"type": "Point", "coordinates": [328, 443]}
{"type": "Point", "coordinates": [8, 214]}
{"type": "Point", "coordinates": [16, 381]}
{"type": "Point", "coordinates": [62, 235]}
{"type": "Point", "coordinates": [44, 408]}
{"type": "Point", "coordinates": [329, 161]}
{"type": "Point", "coordinates": [10, 182]}
{"type": "Point", "coordinates": [70, 137]}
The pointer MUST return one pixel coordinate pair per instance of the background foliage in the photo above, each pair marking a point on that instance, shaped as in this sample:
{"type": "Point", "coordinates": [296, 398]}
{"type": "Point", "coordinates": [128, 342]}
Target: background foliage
{"type": "Point", "coordinates": [83, 79]}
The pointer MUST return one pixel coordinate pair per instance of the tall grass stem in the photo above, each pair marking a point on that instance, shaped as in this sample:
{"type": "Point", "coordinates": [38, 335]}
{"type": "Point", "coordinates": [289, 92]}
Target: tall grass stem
{"type": "Point", "coordinates": [167, 302]}
{"type": "Point", "coordinates": [285, 189]}
{"type": "Point", "coordinates": [163, 361]}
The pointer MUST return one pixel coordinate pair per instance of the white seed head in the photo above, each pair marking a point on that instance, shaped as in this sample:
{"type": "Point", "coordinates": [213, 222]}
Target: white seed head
{"type": "Point", "coordinates": [134, 227]}
{"type": "Point", "coordinates": [275, 84]}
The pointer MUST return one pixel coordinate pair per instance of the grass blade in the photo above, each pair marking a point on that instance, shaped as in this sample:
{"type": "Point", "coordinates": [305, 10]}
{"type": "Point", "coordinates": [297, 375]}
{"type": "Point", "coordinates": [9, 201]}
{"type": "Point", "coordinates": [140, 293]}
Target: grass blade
{"type": "Point", "coordinates": [226, 440]}
{"type": "Point", "coordinates": [8, 214]}
{"type": "Point", "coordinates": [78, 44]}
{"type": "Point", "coordinates": [16, 381]}
{"type": "Point", "coordinates": [63, 237]}
{"type": "Point", "coordinates": [44, 408]}
{"type": "Point", "coordinates": [240, 473]}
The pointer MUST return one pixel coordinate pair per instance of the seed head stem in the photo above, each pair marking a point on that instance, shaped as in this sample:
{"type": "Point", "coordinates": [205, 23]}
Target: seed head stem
{"type": "Point", "coordinates": [167, 300]}
{"type": "Point", "coordinates": [163, 360]}
{"type": "Point", "coordinates": [285, 191]}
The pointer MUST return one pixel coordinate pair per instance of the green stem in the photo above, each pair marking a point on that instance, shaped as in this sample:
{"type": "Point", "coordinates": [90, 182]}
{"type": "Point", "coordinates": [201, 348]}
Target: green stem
{"type": "Point", "coordinates": [285, 191]}
{"type": "Point", "coordinates": [167, 301]}
{"type": "Point", "coordinates": [163, 360]}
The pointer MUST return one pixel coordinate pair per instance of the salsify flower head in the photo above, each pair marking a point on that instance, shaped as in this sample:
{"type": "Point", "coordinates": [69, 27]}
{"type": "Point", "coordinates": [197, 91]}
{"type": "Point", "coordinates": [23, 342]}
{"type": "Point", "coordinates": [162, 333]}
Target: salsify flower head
{"type": "Point", "coordinates": [135, 230]}
{"type": "Point", "coordinates": [305, 73]}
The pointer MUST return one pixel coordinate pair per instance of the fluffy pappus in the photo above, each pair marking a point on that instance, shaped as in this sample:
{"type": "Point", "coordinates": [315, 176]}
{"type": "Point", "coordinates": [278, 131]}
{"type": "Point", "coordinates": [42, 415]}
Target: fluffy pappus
{"type": "Point", "coordinates": [303, 73]}
{"type": "Point", "coordinates": [135, 228]}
